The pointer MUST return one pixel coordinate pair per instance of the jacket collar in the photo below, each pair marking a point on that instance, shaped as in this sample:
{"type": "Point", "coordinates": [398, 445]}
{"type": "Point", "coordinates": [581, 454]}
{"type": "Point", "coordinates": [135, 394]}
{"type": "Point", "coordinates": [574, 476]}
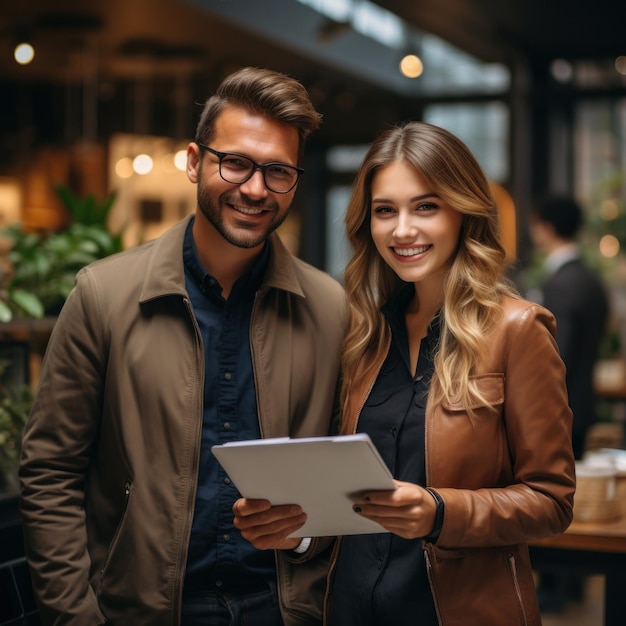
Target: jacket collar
{"type": "Point", "coordinates": [281, 270]}
{"type": "Point", "coordinates": [165, 273]}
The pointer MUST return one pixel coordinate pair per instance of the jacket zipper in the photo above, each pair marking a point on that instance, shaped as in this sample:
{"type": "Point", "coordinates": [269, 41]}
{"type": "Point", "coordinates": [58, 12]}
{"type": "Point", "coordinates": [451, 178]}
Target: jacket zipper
{"type": "Point", "coordinates": [518, 592]}
{"type": "Point", "coordinates": [177, 596]}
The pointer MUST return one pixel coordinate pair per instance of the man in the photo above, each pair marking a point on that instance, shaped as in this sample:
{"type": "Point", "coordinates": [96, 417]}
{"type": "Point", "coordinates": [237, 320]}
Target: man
{"type": "Point", "coordinates": [211, 333]}
{"type": "Point", "coordinates": [578, 299]}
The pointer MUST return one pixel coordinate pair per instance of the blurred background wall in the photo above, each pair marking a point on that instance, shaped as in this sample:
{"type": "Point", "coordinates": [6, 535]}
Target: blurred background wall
{"type": "Point", "coordinates": [535, 88]}
{"type": "Point", "coordinates": [102, 98]}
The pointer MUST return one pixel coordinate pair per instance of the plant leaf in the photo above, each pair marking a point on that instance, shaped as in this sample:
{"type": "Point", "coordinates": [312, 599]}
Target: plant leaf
{"type": "Point", "coordinates": [28, 302]}
{"type": "Point", "coordinates": [6, 315]}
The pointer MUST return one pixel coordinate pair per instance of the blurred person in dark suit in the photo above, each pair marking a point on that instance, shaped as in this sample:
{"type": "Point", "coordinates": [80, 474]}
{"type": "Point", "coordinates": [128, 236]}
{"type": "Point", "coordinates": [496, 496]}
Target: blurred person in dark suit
{"type": "Point", "coordinates": [575, 294]}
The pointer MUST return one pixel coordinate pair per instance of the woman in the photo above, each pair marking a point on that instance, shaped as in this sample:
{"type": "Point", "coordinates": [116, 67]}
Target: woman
{"type": "Point", "coordinates": [459, 383]}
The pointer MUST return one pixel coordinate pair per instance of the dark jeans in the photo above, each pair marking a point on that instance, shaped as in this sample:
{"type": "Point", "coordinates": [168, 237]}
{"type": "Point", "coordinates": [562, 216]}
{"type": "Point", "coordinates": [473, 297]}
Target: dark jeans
{"type": "Point", "coordinates": [213, 608]}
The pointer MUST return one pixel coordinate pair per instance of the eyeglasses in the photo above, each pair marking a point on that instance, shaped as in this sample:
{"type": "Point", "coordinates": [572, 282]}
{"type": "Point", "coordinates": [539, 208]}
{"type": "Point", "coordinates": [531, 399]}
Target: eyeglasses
{"type": "Point", "coordinates": [237, 169]}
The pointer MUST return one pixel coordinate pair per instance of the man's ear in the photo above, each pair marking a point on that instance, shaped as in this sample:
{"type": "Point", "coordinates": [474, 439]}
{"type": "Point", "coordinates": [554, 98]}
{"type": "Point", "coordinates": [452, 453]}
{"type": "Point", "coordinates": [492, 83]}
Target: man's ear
{"type": "Point", "coordinates": [193, 162]}
{"type": "Point", "coordinates": [549, 230]}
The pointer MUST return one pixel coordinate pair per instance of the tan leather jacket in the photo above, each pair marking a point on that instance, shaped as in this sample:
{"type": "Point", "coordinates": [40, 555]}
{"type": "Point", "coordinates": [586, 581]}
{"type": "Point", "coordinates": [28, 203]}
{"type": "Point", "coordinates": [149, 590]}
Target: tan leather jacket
{"type": "Point", "coordinates": [110, 454]}
{"type": "Point", "coordinates": [505, 481]}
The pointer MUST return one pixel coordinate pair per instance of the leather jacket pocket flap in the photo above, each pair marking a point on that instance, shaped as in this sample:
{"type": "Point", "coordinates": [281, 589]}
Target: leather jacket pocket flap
{"type": "Point", "coordinates": [491, 390]}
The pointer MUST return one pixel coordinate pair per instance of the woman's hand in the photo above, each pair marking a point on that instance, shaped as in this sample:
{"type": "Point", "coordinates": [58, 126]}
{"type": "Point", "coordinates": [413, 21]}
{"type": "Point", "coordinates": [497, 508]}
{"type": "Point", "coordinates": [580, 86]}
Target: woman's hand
{"type": "Point", "coordinates": [409, 511]}
{"type": "Point", "coordinates": [268, 527]}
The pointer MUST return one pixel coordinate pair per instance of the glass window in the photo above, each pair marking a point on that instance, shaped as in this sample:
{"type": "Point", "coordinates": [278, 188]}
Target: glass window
{"type": "Point", "coordinates": [337, 248]}
{"type": "Point", "coordinates": [600, 166]}
{"type": "Point", "coordinates": [342, 163]}
{"type": "Point", "coordinates": [484, 127]}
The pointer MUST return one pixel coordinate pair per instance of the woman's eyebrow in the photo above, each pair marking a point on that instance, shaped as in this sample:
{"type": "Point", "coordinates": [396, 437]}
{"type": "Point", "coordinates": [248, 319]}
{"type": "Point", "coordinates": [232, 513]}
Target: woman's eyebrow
{"type": "Point", "coordinates": [414, 199]}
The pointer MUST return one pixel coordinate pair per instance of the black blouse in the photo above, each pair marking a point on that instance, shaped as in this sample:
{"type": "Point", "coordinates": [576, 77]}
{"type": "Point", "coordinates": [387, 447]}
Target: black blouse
{"type": "Point", "coordinates": [381, 578]}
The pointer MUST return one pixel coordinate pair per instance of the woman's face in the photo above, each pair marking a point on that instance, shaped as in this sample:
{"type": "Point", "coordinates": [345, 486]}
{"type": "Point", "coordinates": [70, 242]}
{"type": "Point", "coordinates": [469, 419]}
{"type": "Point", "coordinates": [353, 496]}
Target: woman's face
{"type": "Point", "coordinates": [414, 230]}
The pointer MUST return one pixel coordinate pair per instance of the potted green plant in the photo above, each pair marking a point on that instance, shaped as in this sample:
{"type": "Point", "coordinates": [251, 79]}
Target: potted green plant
{"type": "Point", "coordinates": [43, 265]}
{"type": "Point", "coordinates": [37, 272]}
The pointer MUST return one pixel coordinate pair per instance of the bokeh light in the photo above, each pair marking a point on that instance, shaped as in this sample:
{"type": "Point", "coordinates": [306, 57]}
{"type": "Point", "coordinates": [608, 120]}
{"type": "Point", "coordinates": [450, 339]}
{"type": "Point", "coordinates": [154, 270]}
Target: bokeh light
{"type": "Point", "coordinates": [24, 53]}
{"type": "Point", "coordinates": [142, 164]}
{"type": "Point", "coordinates": [609, 209]}
{"type": "Point", "coordinates": [124, 167]}
{"type": "Point", "coordinates": [609, 246]}
{"type": "Point", "coordinates": [411, 66]}
{"type": "Point", "coordinates": [180, 160]}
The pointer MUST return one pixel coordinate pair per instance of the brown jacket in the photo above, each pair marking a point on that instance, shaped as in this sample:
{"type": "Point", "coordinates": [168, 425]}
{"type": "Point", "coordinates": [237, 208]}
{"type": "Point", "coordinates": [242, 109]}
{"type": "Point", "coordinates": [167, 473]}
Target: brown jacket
{"type": "Point", "coordinates": [507, 480]}
{"type": "Point", "coordinates": [110, 454]}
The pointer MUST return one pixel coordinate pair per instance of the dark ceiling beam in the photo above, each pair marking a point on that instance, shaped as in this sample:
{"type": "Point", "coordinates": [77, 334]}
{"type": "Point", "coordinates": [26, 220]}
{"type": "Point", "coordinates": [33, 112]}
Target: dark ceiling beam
{"type": "Point", "coordinates": [474, 27]}
{"type": "Point", "coordinates": [508, 31]}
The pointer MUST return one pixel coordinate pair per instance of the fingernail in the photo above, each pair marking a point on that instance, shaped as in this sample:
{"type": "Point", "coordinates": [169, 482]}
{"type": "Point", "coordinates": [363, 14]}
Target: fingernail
{"type": "Point", "coordinates": [356, 509]}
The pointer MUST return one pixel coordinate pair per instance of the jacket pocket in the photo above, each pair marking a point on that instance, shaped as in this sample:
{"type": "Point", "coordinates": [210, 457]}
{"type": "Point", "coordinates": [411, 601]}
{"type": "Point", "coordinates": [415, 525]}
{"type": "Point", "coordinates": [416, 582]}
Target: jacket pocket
{"type": "Point", "coordinates": [518, 589]}
{"type": "Point", "coordinates": [116, 537]}
{"type": "Point", "coordinates": [489, 586]}
{"type": "Point", "coordinates": [490, 388]}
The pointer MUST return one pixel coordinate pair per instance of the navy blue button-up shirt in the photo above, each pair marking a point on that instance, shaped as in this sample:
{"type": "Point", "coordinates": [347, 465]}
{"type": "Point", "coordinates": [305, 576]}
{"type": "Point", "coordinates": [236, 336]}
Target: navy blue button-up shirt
{"type": "Point", "coordinates": [219, 558]}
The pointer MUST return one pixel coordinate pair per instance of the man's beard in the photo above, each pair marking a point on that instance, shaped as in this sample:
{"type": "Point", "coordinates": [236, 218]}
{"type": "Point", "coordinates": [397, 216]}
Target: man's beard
{"type": "Point", "coordinates": [211, 211]}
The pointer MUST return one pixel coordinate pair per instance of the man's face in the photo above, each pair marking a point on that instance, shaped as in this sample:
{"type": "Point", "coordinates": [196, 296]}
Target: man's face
{"type": "Point", "coordinates": [245, 214]}
{"type": "Point", "coordinates": [540, 233]}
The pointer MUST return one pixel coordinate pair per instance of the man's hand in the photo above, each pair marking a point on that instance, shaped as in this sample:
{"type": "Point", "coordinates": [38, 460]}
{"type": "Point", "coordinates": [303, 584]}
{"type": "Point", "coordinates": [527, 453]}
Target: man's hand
{"type": "Point", "coordinates": [268, 527]}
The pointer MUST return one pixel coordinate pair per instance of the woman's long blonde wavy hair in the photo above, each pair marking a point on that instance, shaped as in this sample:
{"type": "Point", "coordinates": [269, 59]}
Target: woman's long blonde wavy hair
{"type": "Point", "coordinates": [474, 285]}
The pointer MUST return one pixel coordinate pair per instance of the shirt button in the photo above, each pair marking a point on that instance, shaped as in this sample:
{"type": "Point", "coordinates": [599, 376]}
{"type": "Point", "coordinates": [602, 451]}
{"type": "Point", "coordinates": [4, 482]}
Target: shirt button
{"type": "Point", "coordinates": [227, 480]}
{"type": "Point", "coordinates": [226, 537]}
{"type": "Point", "coordinates": [228, 376]}
{"type": "Point", "coordinates": [418, 378]}
{"type": "Point", "coordinates": [379, 563]}
{"type": "Point", "coordinates": [394, 432]}
{"type": "Point", "coordinates": [226, 425]}
{"type": "Point", "coordinates": [218, 583]}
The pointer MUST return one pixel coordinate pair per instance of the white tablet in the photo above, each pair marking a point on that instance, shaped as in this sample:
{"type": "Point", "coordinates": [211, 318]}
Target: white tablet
{"type": "Point", "coordinates": [321, 474]}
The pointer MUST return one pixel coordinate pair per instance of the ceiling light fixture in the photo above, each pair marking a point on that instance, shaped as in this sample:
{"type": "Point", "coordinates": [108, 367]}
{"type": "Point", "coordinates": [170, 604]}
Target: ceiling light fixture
{"type": "Point", "coordinates": [411, 66]}
{"type": "Point", "coordinates": [24, 53]}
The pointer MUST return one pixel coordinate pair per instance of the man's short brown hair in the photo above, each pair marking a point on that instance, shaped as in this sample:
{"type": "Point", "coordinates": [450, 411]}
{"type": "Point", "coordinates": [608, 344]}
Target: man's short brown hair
{"type": "Point", "coordinates": [266, 92]}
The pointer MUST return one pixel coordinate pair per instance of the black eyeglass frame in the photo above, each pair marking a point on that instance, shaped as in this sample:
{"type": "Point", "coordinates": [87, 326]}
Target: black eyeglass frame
{"type": "Point", "coordinates": [255, 166]}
